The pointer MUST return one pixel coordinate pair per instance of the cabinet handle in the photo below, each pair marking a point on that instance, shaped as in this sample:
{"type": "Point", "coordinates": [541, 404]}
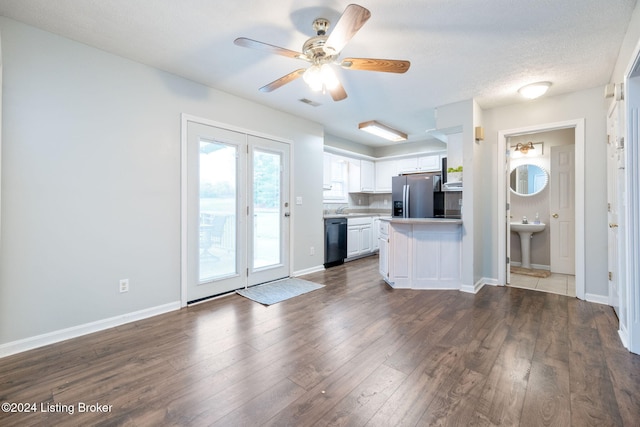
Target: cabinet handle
{"type": "Point", "coordinates": [555, 215]}
{"type": "Point", "coordinates": [613, 225]}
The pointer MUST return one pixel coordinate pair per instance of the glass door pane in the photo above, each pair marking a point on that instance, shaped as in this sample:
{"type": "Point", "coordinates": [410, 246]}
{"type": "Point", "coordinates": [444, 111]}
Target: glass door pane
{"type": "Point", "coordinates": [266, 209]}
{"type": "Point", "coordinates": [214, 215]}
{"type": "Point", "coordinates": [218, 211]}
{"type": "Point", "coordinates": [269, 211]}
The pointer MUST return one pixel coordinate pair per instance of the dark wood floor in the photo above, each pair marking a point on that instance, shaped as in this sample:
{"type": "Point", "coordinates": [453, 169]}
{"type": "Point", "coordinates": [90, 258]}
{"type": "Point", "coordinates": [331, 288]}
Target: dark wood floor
{"type": "Point", "coordinates": [353, 353]}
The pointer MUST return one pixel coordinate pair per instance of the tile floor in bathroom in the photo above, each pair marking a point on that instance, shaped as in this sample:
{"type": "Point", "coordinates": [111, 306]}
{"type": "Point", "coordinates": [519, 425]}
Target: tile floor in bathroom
{"type": "Point", "coordinates": [562, 284]}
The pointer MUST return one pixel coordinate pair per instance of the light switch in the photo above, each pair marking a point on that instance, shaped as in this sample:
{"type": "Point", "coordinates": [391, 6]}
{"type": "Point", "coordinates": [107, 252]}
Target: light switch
{"type": "Point", "coordinates": [299, 200]}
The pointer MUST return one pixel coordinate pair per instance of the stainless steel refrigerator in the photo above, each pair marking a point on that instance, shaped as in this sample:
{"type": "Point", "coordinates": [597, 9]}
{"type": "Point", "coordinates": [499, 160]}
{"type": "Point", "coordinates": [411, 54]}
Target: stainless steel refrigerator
{"type": "Point", "coordinates": [413, 195]}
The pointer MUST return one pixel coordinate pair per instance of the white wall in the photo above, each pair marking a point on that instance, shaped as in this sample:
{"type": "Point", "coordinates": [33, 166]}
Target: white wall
{"type": "Point", "coordinates": [462, 115]}
{"type": "Point", "coordinates": [590, 105]}
{"type": "Point", "coordinates": [91, 181]}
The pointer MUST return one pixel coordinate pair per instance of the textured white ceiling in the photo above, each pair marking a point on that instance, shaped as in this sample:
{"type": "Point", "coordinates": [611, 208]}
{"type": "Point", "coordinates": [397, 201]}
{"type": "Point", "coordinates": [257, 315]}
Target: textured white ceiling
{"type": "Point", "coordinates": [459, 49]}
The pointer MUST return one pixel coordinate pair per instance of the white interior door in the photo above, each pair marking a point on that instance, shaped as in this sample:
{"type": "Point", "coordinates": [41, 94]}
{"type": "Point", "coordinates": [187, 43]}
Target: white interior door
{"type": "Point", "coordinates": [562, 207]}
{"type": "Point", "coordinates": [507, 190]}
{"type": "Point", "coordinates": [236, 213]}
{"type": "Point", "coordinates": [615, 182]}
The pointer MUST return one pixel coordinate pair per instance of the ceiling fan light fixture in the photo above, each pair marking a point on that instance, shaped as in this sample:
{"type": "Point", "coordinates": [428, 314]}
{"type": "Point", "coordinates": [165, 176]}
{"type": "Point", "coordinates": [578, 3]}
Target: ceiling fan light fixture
{"type": "Point", "coordinates": [534, 90]}
{"type": "Point", "coordinates": [383, 131]}
{"type": "Point", "coordinates": [313, 77]}
{"type": "Point", "coordinates": [320, 76]}
{"type": "Point", "coordinates": [329, 78]}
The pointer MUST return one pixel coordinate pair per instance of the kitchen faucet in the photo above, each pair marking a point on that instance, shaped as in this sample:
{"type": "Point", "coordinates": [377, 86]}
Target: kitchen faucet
{"type": "Point", "coordinates": [340, 209]}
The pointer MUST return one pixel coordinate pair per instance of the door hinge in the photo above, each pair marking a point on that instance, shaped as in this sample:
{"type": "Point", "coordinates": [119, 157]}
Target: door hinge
{"type": "Point", "coordinates": [247, 271]}
{"type": "Point", "coordinates": [508, 260]}
{"type": "Point", "coordinates": [610, 276]}
{"type": "Point", "coordinates": [508, 206]}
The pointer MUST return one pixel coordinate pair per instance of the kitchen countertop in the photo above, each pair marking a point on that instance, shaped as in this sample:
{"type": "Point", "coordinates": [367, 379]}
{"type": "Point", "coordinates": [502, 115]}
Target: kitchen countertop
{"type": "Point", "coordinates": [421, 220]}
{"type": "Point", "coordinates": [352, 215]}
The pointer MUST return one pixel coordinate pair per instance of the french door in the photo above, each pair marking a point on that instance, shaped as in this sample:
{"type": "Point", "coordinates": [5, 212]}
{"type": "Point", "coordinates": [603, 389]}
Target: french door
{"type": "Point", "coordinates": [237, 210]}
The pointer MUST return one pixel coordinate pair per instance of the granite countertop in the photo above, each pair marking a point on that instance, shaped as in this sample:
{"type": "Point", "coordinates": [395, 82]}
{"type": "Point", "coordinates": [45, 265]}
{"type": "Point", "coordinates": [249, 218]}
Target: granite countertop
{"type": "Point", "coordinates": [422, 220]}
{"type": "Point", "coordinates": [354, 215]}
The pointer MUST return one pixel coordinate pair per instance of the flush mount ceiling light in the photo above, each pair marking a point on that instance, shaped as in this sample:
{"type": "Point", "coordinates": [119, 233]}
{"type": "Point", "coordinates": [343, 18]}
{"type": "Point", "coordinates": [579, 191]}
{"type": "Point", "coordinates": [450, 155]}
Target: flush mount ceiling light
{"type": "Point", "coordinates": [382, 131]}
{"type": "Point", "coordinates": [534, 90]}
{"type": "Point", "coordinates": [524, 148]}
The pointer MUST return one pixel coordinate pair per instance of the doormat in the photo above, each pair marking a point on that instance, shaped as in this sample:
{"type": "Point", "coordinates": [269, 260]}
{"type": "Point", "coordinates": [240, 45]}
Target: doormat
{"type": "Point", "coordinates": [278, 291]}
{"type": "Point", "coordinates": [531, 272]}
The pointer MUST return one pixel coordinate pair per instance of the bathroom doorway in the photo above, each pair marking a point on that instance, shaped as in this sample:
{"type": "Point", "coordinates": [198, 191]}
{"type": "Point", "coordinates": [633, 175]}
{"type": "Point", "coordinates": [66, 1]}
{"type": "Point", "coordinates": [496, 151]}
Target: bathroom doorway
{"type": "Point", "coordinates": [541, 187]}
{"type": "Point", "coordinates": [573, 133]}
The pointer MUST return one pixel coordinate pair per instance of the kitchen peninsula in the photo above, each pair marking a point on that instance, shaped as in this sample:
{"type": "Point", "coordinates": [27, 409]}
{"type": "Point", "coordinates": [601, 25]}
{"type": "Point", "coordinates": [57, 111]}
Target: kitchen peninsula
{"type": "Point", "coordinates": [421, 253]}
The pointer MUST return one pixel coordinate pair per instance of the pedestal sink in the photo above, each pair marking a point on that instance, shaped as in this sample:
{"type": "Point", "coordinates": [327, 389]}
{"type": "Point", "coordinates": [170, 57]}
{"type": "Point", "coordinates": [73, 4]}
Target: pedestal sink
{"type": "Point", "coordinates": [525, 231]}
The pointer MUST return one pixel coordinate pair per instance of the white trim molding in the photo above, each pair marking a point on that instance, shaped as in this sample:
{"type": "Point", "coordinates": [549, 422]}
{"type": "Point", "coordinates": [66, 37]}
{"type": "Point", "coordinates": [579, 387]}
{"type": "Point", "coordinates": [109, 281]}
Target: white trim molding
{"type": "Point", "coordinates": [478, 285]}
{"type": "Point", "coordinates": [308, 271]}
{"type": "Point", "coordinates": [579, 137]}
{"type": "Point", "coordinates": [37, 341]}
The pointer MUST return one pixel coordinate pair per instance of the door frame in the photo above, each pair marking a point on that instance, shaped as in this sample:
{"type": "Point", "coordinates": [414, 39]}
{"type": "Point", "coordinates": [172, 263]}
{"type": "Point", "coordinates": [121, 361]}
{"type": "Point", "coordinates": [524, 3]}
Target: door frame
{"type": "Point", "coordinates": [631, 337]}
{"type": "Point", "coordinates": [184, 120]}
{"type": "Point", "coordinates": [502, 221]}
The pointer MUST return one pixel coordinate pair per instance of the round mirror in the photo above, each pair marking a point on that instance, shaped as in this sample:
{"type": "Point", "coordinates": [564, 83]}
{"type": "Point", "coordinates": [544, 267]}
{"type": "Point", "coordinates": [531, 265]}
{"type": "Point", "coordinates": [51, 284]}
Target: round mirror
{"type": "Point", "coordinates": [528, 179]}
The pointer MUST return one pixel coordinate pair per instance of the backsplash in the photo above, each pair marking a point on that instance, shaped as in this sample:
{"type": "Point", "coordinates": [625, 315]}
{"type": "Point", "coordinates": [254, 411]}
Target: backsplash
{"type": "Point", "coordinates": [360, 202]}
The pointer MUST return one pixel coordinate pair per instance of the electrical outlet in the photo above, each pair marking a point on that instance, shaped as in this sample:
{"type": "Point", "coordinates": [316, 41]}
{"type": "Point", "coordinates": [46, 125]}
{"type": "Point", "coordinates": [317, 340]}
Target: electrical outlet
{"type": "Point", "coordinates": [124, 285]}
{"type": "Point", "coordinates": [312, 250]}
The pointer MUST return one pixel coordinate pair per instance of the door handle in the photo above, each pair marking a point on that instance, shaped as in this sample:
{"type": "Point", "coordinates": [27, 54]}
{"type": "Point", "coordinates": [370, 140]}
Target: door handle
{"type": "Point", "coordinates": [555, 215]}
{"type": "Point", "coordinates": [287, 214]}
{"type": "Point", "coordinates": [613, 225]}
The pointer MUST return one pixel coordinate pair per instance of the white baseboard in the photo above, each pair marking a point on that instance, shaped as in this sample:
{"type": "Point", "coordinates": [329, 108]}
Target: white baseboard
{"type": "Point", "coordinates": [31, 343]}
{"type": "Point", "coordinates": [478, 285]}
{"type": "Point", "coordinates": [598, 299]}
{"type": "Point", "coordinates": [308, 271]}
{"type": "Point", "coordinates": [624, 336]}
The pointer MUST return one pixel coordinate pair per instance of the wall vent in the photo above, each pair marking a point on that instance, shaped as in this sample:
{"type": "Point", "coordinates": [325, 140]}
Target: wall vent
{"type": "Point", "coordinates": [310, 102]}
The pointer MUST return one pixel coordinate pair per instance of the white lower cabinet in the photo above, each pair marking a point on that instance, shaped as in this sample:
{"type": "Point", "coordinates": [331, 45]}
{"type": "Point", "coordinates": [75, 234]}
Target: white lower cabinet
{"type": "Point", "coordinates": [359, 236]}
{"type": "Point", "coordinates": [375, 222]}
{"type": "Point", "coordinates": [383, 245]}
{"type": "Point", "coordinates": [422, 255]}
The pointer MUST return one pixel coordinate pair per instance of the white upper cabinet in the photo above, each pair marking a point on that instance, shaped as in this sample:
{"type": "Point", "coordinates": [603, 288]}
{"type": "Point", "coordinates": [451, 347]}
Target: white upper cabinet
{"type": "Point", "coordinates": [326, 176]}
{"type": "Point", "coordinates": [367, 175]}
{"type": "Point", "coordinates": [429, 163]}
{"type": "Point", "coordinates": [408, 164]}
{"type": "Point", "coordinates": [421, 163]}
{"type": "Point", "coordinates": [361, 176]}
{"type": "Point", "coordinates": [385, 170]}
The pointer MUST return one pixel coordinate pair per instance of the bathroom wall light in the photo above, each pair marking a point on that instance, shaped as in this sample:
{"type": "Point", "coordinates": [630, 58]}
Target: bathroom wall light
{"type": "Point", "coordinates": [534, 90]}
{"type": "Point", "coordinates": [382, 131]}
{"type": "Point", "coordinates": [524, 148]}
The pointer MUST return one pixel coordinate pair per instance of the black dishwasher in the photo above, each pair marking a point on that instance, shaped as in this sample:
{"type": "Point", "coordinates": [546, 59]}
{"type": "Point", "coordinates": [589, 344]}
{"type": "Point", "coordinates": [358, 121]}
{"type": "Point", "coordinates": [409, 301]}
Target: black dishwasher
{"type": "Point", "coordinates": [335, 241]}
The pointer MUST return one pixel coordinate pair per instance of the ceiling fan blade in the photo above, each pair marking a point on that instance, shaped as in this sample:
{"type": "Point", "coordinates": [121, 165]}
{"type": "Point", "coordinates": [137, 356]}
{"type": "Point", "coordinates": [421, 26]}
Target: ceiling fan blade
{"type": "Point", "coordinates": [370, 64]}
{"type": "Point", "coordinates": [282, 80]}
{"type": "Point", "coordinates": [254, 44]}
{"type": "Point", "coordinates": [338, 93]}
{"type": "Point", "coordinates": [352, 19]}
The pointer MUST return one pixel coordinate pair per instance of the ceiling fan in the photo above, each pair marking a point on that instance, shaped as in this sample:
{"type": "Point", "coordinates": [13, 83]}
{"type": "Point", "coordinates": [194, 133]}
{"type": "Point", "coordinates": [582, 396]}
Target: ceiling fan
{"type": "Point", "coordinates": [323, 50]}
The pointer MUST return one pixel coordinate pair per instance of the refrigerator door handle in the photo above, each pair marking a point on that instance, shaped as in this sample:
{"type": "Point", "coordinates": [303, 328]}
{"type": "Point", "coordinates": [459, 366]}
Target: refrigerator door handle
{"type": "Point", "coordinates": [406, 201]}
